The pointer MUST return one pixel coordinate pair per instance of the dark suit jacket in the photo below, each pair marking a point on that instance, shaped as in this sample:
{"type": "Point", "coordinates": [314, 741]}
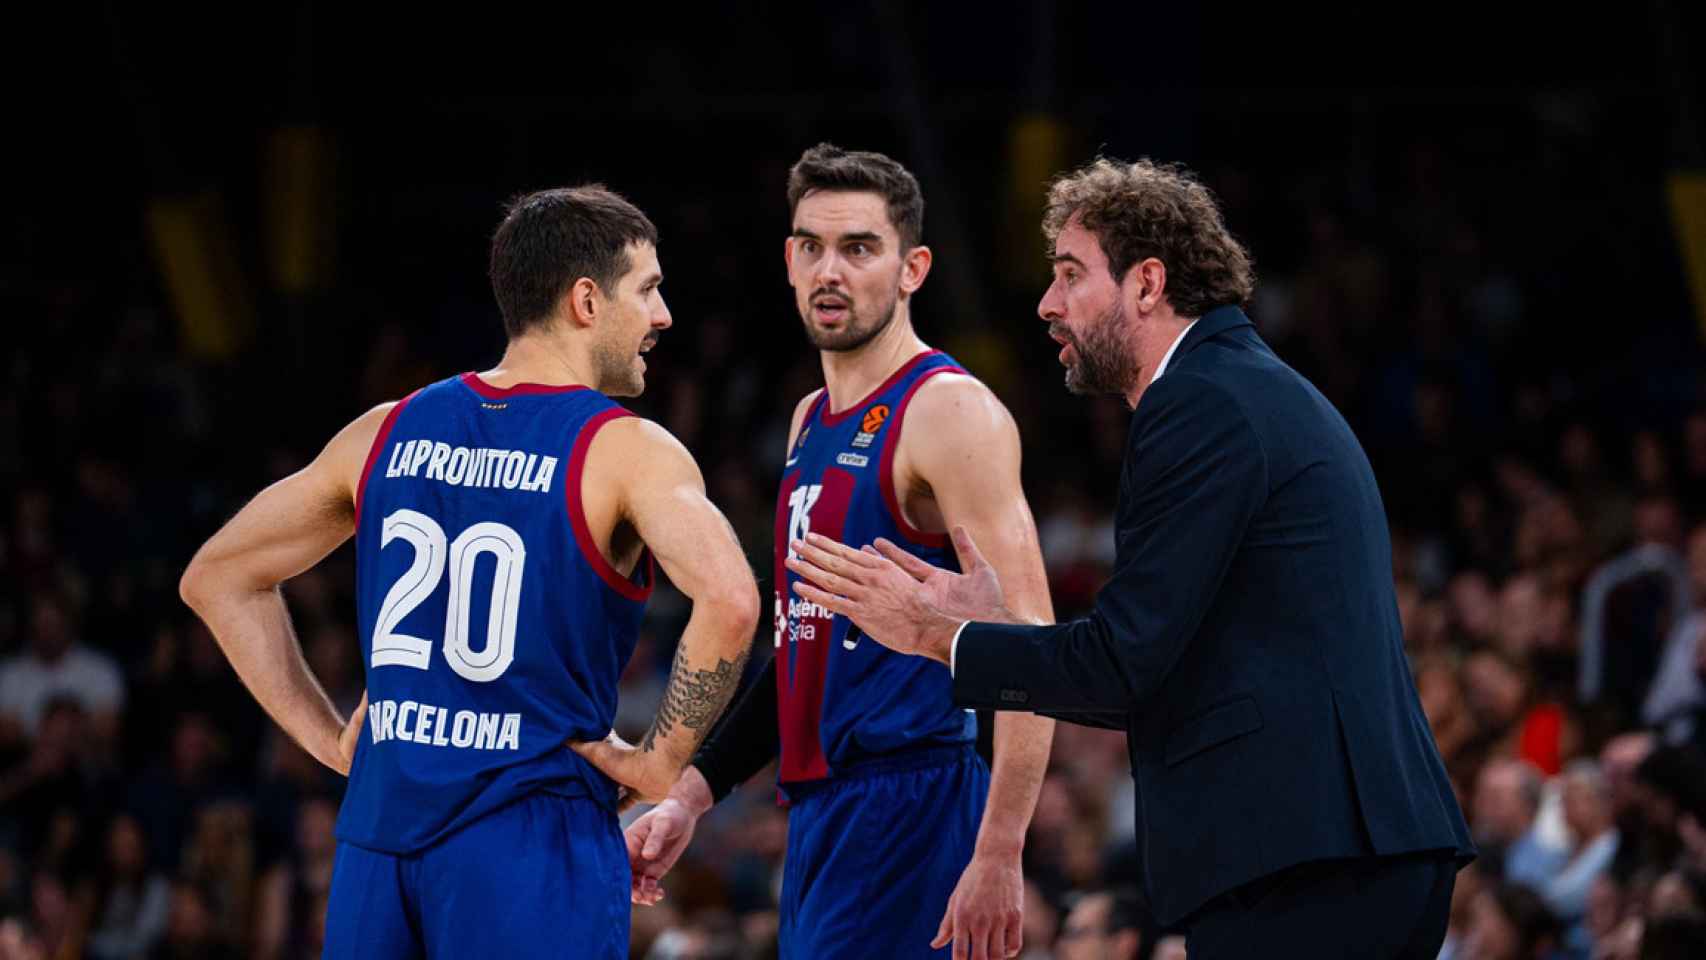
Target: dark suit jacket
{"type": "Point", "coordinates": [1248, 642]}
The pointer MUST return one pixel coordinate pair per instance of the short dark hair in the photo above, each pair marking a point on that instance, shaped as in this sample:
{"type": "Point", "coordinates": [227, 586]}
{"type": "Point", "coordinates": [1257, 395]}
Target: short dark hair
{"type": "Point", "coordinates": [828, 167]}
{"type": "Point", "coordinates": [552, 238]}
{"type": "Point", "coordinates": [1148, 209]}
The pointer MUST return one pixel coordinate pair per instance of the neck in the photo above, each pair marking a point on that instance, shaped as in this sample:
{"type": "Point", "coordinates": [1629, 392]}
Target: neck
{"type": "Point", "coordinates": [850, 375]}
{"type": "Point", "coordinates": [543, 358]}
{"type": "Point", "coordinates": [1155, 337]}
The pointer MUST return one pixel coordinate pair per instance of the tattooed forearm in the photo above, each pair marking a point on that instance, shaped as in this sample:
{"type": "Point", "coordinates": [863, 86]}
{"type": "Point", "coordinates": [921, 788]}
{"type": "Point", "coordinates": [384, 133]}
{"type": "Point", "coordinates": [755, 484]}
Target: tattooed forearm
{"type": "Point", "coordinates": [694, 698]}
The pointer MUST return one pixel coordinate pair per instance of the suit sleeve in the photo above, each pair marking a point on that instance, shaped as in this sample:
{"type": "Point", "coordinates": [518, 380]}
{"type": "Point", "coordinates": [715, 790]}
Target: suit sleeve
{"type": "Point", "coordinates": [1193, 478]}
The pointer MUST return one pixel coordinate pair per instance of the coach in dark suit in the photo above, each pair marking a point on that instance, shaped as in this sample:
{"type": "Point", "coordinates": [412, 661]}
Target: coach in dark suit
{"type": "Point", "coordinates": [1289, 794]}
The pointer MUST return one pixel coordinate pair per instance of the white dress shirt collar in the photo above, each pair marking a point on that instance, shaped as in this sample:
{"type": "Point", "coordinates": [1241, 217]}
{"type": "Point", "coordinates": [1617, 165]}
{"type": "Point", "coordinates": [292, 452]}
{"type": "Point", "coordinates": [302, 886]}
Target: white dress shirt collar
{"type": "Point", "coordinates": [1161, 367]}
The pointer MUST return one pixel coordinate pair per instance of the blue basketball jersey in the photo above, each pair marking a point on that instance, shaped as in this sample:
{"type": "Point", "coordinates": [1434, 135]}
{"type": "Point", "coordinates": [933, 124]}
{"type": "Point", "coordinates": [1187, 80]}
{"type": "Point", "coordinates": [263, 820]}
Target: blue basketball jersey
{"type": "Point", "coordinates": [842, 698]}
{"type": "Point", "coordinates": [492, 629]}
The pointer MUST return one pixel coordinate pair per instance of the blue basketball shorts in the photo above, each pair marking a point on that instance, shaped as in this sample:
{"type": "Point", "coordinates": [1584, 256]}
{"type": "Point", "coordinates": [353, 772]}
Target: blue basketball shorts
{"type": "Point", "coordinates": [546, 876]}
{"type": "Point", "coordinates": [874, 854]}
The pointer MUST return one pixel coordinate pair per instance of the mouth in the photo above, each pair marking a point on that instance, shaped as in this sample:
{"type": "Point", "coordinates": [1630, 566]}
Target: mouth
{"type": "Point", "coordinates": [1060, 335]}
{"type": "Point", "coordinates": [647, 344]}
{"type": "Point", "coordinates": [829, 309]}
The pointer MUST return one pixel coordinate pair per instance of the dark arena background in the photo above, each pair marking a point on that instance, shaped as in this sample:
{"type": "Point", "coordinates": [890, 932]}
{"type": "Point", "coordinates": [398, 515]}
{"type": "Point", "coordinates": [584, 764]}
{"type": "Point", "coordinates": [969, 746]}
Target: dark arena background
{"type": "Point", "coordinates": [1481, 234]}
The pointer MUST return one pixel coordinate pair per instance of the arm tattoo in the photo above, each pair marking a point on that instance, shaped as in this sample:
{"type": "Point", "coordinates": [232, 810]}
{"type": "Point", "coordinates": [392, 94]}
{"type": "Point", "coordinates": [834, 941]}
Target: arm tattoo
{"type": "Point", "coordinates": [694, 698]}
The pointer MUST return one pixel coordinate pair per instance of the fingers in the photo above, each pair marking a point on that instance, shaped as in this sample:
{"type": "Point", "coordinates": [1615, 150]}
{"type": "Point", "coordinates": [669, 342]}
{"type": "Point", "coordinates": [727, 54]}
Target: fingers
{"type": "Point", "coordinates": [840, 551]}
{"type": "Point", "coordinates": [653, 847]}
{"type": "Point", "coordinates": [1015, 938]}
{"type": "Point", "coordinates": [824, 577]}
{"type": "Point", "coordinates": [599, 753]}
{"type": "Point", "coordinates": [945, 928]}
{"type": "Point", "coordinates": [970, 557]}
{"type": "Point", "coordinates": [635, 839]}
{"type": "Point", "coordinates": [646, 891]}
{"type": "Point", "coordinates": [834, 603]}
{"type": "Point", "coordinates": [914, 567]}
{"type": "Point", "coordinates": [997, 944]}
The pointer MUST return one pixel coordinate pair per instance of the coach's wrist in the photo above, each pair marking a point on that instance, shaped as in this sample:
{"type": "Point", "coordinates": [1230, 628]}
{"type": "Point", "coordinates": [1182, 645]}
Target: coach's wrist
{"type": "Point", "coordinates": [693, 791]}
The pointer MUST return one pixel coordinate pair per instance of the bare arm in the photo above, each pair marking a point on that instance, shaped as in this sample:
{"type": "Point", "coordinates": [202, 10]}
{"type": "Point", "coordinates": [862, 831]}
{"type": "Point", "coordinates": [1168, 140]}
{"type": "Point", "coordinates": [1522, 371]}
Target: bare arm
{"type": "Point", "coordinates": [233, 585]}
{"type": "Point", "coordinates": [965, 445]}
{"type": "Point", "coordinates": [658, 490]}
{"type": "Point", "coordinates": [960, 441]}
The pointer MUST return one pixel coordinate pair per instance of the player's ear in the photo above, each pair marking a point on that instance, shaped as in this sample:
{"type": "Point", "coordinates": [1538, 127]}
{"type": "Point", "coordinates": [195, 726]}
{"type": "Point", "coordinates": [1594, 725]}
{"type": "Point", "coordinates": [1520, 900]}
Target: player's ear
{"type": "Point", "coordinates": [788, 254]}
{"type": "Point", "coordinates": [582, 303]}
{"type": "Point", "coordinates": [914, 267]}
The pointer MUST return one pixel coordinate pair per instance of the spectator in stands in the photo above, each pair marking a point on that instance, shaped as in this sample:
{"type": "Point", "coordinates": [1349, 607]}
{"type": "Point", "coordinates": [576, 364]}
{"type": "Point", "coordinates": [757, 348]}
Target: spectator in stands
{"type": "Point", "coordinates": [1104, 925]}
{"type": "Point", "coordinates": [1507, 798]}
{"type": "Point", "coordinates": [1511, 922]}
{"type": "Point", "coordinates": [134, 900]}
{"type": "Point", "coordinates": [56, 665]}
{"type": "Point", "coordinates": [1593, 841]}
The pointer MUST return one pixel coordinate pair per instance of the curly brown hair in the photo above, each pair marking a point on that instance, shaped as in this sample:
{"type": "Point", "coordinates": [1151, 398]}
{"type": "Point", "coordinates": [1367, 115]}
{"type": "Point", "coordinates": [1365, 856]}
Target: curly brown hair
{"type": "Point", "coordinates": [1147, 209]}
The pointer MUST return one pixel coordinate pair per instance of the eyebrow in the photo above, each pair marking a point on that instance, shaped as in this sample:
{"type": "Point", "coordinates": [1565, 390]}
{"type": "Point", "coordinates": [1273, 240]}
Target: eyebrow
{"type": "Point", "coordinates": [863, 236]}
{"type": "Point", "coordinates": [1067, 258]}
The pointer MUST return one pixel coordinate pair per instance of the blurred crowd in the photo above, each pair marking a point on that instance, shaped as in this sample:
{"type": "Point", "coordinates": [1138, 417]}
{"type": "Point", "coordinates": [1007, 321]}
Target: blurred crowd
{"type": "Point", "coordinates": [1530, 397]}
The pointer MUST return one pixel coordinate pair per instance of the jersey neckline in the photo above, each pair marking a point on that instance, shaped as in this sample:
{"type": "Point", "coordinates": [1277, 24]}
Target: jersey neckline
{"type": "Point", "coordinates": [830, 419]}
{"type": "Point", "coordinates": [473, 382]}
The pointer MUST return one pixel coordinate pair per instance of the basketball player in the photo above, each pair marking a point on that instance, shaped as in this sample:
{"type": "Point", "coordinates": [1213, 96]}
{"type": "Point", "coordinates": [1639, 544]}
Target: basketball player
{"type": "Point", "coordinates": [886, 794]}
{"type": "Point", "coordinates": [504, 535]}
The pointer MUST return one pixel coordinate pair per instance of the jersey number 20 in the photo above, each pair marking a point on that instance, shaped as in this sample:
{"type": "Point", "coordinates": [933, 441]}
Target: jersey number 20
{"type": "Point", "coordinates": [393, 649]}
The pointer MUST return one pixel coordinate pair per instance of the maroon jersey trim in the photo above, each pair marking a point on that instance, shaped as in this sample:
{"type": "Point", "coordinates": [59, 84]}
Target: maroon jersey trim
{"type": "Point", "coordinates": [637, 592]}
{"type": "Point", "coordinates": [885, 466]}
{"type": "Point", "coordinates": [373, 452]}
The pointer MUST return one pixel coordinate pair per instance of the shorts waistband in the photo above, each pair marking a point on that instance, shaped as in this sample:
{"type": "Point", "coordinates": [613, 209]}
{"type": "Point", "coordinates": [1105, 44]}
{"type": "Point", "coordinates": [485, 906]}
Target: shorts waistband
{"type": "Point", "coordinates": [900, 761]}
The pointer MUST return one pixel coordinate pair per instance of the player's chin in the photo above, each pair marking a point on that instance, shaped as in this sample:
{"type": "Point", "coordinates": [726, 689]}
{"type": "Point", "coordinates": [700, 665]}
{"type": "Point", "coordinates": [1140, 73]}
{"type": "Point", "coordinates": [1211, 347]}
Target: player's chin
{"type": "Point", "coordinates": [631, 386]}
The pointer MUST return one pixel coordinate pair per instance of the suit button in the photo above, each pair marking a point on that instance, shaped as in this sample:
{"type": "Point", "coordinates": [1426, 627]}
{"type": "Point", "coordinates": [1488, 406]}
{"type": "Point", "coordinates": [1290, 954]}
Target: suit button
{"type": "Point", "coordinates": [1014, 696]}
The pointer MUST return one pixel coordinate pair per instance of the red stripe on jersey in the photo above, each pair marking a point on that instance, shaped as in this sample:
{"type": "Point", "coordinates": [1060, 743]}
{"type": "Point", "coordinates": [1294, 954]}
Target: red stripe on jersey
{"type": "Point", "coordinates": [373, 452]}
{"type": "Point", "coordinates": [803, 642]}
{"type": "Point", "coordinates": [885, 465]}
{"type": "Point", "coordinates": [577, 515]}
{"type": "Point", "coordinates": [490, 392]}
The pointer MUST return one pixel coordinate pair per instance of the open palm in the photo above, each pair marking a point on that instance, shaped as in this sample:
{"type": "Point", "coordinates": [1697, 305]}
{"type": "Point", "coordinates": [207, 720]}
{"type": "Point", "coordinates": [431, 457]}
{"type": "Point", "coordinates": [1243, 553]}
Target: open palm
{"type": "Point", "coordinates": [897, 599]}
{"type": "Point", "coordinates": [973, 594]}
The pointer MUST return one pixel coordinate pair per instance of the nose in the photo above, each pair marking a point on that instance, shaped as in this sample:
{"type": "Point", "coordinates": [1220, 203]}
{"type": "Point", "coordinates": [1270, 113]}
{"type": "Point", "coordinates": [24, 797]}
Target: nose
{"type": "Point", "coordinates": [1052, 307]}
{"type": "Point", "coordinates": [827, 270]}
{"type": "Point", "coordinates": [661, 319]}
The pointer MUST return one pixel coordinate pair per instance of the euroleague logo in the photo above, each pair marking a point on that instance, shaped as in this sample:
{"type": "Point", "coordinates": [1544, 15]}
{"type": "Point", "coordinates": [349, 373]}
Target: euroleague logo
{"type": "Point", "coordinates": [868, 427]}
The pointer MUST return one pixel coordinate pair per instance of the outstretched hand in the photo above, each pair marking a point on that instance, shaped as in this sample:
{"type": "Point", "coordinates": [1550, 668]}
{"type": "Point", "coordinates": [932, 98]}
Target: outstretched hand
{"type": "Point", "coordinates": [895, 598]}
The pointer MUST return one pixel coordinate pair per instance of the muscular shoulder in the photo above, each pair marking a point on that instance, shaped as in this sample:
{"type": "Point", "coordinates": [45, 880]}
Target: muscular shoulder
{"type": "Point", "coordinates": [954, 419]}
{"type": "Point", "coordinates": [635, 444]}
{"type": "Point", "coordinates": [957, 408]}
{"type": "Point", "coordinates": [346, 455]}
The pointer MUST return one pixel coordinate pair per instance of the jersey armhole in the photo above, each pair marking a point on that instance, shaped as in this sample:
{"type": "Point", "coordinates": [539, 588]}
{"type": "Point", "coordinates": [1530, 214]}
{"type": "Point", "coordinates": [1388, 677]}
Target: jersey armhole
{"type": "Point", "coordinates": [811, 414]}
{"type": "Point", "coordinates": [379, 439]}
{"type": "Point", "coordinates": [624, 586]}
{"type": "Point", "coordinates": [885, 465]}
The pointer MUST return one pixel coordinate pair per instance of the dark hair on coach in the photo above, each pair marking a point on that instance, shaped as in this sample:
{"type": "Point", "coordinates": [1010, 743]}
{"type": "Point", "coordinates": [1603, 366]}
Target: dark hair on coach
{"type": "Point", "coordinates": [1148, 209]}
{"type": "Point", "coordinates": [828, 167]}
{"type": "Point", "coordinates": [552, 238]}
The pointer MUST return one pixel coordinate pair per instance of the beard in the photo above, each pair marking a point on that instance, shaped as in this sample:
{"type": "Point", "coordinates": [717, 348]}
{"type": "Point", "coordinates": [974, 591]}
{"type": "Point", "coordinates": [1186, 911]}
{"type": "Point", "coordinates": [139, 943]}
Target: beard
{"type": "Point", "coordinates": [617, 368]}
{"type": "Point", "coordinates": [1107, 357]}
{"type": "Point", "coordinates": [858, 331]}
